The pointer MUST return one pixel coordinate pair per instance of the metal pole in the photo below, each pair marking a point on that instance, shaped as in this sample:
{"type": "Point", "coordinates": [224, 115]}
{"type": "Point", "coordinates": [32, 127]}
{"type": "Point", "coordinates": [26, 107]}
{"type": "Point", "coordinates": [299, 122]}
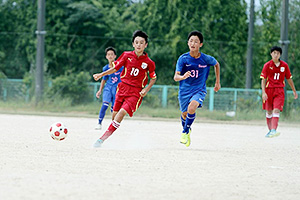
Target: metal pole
{"type": "Point", "coordinates": [39, 74]}
{"type": "Point", "coordinates": [284, 36]}
{"type": "Point", "coordinates": [249, 47]}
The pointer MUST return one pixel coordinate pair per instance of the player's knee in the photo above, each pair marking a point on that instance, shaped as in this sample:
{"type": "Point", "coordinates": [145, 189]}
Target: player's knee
{"type": "Point", "coordinates": [183, 115]}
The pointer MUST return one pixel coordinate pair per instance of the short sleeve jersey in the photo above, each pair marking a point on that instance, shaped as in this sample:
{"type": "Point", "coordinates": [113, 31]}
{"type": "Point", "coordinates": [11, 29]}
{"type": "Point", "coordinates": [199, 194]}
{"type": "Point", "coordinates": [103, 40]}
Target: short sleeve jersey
{"type": "Point", "coordinates": [112, 80]}
{"type": "Point", "coordinates": [199, 68]}
{"type": "Point", "coordinates": [275, 74]}
{"type": "Point", "coordinates": [136, 68]}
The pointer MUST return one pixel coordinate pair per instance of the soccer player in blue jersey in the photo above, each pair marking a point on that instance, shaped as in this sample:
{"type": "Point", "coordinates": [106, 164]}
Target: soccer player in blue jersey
{"type": "Point", "coordinates": [111, 82]}
{"type": "Point", "coordinates": [192, 70]}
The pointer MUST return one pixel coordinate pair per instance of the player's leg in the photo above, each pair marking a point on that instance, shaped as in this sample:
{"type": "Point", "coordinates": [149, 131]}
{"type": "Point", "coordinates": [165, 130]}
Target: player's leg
{"type": "Point", "coordinates": [278, 106]}
{"type": "Point", "coordinates": [268, 107]}
{"type": "Point", "coordinates": [191, 115]}
{"type": "Point", "coordinates": [114, 124]}
{"type": "Point", "coordinates": [274, 123]}
{"type": "Point", "coordinates": [183, 118]}
{"type": "Point", "coordinates": [102, 112]}
{"type": "Point", "coordinates": [269, 116]}
{"type": "Point", "coordinates": [183, 103]}
{"type": "Point", "coordinates": [106, 100]}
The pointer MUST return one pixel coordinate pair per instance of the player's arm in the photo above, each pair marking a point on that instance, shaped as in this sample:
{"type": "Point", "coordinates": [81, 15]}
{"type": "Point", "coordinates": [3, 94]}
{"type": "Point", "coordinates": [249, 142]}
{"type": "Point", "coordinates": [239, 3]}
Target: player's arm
{"type": "Point", "coordinates": [100, 88]}
{"type": "Point", "coordinates": [263, 89]}
{"type": "Point", "coordinates": [217, 72]}
{"type": "Point", "coordinates": [291, 83]}
{"type": "Point", "coordinates": [108, 72]}
{"type": "Point", "coordinates": [178, 77]}
{"type": "Point", "coordinates": [149, 86]}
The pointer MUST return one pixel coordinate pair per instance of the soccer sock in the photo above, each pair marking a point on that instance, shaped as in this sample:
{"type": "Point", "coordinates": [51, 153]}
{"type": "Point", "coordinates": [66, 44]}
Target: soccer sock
{"type": "Point", "coordinates": [113, 126]}
{"type": "Point", "coordinates": [269, 120]}
{"type": "Point", "coordinates": [275, 120]}
{"type": "Point", "coordinates": [182, 121]}
{"type": "Point", "coordinates": [102, 112]}
{"type": "Point", "coordinates": [189, 120]}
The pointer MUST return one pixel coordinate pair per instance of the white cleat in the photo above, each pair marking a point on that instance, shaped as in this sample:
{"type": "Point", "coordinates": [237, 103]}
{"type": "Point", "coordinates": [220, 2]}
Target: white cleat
{"type": "Point", "coordinates": [98, 127]}
{"type": "Point", "coordinates": [98, 143]}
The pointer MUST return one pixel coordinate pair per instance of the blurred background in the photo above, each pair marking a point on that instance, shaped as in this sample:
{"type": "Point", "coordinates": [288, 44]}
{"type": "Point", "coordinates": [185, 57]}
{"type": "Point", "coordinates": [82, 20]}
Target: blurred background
{"type": "Point", "coordinates": [238, 33]}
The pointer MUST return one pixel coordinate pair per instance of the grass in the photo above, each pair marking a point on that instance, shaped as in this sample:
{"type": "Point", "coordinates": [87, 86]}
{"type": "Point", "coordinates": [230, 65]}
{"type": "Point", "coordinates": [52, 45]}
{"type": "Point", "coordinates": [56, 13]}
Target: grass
{"type": "Point", "coordinates": [64, 108]}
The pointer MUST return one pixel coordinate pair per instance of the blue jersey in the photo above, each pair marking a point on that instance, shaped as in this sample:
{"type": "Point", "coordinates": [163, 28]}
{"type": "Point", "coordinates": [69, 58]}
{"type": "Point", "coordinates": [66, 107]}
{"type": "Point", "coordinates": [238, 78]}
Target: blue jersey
{"type": "Point", "coordinates": [199, 68]}
{"type": "Point", "coordinates": [112, 80]}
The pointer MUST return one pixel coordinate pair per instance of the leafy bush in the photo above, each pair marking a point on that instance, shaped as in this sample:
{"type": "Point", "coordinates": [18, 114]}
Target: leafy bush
{"type": "Point", "coordinates": [71, 86]}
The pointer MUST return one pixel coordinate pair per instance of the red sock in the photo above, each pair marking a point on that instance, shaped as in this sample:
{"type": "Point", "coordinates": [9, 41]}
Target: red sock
{"type": "Point", "coordinates": [113, 126]}
{"type": "Point", "coordinates": [275, 120]}
{"type": "Point", "coordinates": [269, 120]}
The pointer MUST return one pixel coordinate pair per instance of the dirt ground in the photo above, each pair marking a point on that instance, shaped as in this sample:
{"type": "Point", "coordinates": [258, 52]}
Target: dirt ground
{"type": "Point", "coordinates": [144, 160]}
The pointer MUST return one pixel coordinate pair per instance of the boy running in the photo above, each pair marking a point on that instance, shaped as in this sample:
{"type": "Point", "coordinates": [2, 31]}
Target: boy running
{"type": "Point", "coordinates": [192, 70]}
{"type": "Point", "coordinates": [111, 82]}
{"type": "Point", "coordinates": [272, 85]}
{"type": "Point", "coordinates": [134, 79]}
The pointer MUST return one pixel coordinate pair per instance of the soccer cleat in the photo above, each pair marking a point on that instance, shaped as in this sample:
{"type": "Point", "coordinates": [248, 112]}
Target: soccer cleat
{"type": "Point", "coordinates": [272, 133]}
{"type": "Point", "coordinates": [98, 143]}
{"type": "Point", "coordinates": [185, 138]}
{"type": "Point", "coordinates": [98, 127]}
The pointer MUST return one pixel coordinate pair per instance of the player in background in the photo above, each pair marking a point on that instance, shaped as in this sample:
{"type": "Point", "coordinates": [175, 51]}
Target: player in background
{"type": "Point", "coordinates": [111, 82]}
{"type": "Point", "coordinates": [272, 84]}
{"type": "Point", "coordinates": [134, 79]}
{"type": "Point", "coordinates": [192, 70]}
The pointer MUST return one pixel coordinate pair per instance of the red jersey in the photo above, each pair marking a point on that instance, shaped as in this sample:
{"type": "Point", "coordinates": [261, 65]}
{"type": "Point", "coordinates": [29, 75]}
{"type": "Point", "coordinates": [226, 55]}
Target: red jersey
{"type": "Point", "coordinates": [135, 68]}
{"type": "Point", "coordinates": [275, 75]}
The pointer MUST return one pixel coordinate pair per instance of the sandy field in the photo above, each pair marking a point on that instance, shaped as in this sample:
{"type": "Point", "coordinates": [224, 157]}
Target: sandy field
{"type": "Point", "coordinates": [144, 160]}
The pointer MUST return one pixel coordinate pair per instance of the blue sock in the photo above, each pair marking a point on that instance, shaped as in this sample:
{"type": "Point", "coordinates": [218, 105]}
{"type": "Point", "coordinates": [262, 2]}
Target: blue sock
{"type": "Point", "coordinates": [102, 112]}
{"type": "Point", "coordinates": [182, 121]}
{"type": "Point", "coordinates": [189, 120]}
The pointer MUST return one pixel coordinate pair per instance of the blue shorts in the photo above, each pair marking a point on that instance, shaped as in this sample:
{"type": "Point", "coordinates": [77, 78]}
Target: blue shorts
{"type": "Point", "coordinates": [109, 95]}
{"type": "Point", "coordinates": [184, 100]}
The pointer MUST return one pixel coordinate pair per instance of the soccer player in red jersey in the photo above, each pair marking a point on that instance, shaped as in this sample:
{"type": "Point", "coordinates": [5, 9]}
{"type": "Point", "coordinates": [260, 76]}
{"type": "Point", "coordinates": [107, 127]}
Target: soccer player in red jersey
{"type": "Point", "coordinates": [134, 79]}
{"type": "Point", "coordinates": [272, 84]}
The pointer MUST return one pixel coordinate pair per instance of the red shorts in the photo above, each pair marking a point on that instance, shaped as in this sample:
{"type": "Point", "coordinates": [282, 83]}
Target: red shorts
{"type": "Point", "coordinates": [275, 99]}
{"type": "Point", "coordinates": [128, 98]}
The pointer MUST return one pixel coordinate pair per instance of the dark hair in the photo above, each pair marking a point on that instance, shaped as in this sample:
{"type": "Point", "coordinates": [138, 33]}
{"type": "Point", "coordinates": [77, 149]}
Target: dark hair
{"type": "Point", "coordinates": [196, 33]}
{"type": "Point", "coordinates": [110, 49]}
{"type": "Point", "coordinates": [276, 48]}
{"type": "Point", "coordinates": [139, 33]}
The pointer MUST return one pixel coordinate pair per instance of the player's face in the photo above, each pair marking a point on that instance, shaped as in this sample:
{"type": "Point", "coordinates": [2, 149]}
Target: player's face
{"type": "Point", "coordinates": [139, 44]}
{"type": "Point", "coordinates": [194, 43]}
{"type": "Point", "coordinates": [110, 56]}
{"type": "Point", "coordinates": [275, 55]}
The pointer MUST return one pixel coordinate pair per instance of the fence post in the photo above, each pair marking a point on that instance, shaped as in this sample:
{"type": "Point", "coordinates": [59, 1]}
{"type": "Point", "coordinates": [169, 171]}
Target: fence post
{"type": "Point", "coordinates": [95, 91]}
{"type": "Point", "coordinates": [211, 99]}
{"type": "Point", "coordinates": [164, 96]}
{"type": "Point", "coordinates": [4, 94]}
{"type": "Point", "coordinates": [235, 99]}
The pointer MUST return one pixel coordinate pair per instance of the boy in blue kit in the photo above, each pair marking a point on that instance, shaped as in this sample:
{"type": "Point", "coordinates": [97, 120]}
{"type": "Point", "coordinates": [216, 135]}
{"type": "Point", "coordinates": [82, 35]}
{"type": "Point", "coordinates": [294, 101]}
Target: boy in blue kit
{"type": "Point", "coordinates": [192, 70]}
{"type": "Point", "coordinates": [111, 82]}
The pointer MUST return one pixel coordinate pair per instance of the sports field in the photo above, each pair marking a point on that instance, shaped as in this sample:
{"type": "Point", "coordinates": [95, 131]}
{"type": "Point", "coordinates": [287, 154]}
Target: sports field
{"type": "Point", "coordinates": [144, 160]}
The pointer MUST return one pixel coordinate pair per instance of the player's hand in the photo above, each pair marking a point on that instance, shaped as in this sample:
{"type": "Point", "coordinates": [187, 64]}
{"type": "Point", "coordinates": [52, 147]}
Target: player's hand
{"type": "Point", "coordinates": [97, 76]}
{"type": "Point", "coordinates": [186, 75]}
{"type": "Point", "coordinates": [217, 87]}
{"type": "Point", "coordinates": [143, 92]}
{"type": "Point", "coordinates": [264, 96]}
{"type": "Point", "coordinates": [295, 95]}
{"type": "Point", "coordinates": [98, 94]}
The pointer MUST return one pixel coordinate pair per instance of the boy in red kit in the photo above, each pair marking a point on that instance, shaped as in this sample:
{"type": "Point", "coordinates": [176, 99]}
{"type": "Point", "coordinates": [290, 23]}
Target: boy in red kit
{"type": "Point", "coordinates": [134, 78]}
{"type": "Point", "coordinates": [272, 84]}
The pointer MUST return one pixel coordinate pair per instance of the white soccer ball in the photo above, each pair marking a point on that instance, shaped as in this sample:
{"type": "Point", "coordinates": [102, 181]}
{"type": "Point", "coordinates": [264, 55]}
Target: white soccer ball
{"type": "Point", "coordinates": [58, 131]}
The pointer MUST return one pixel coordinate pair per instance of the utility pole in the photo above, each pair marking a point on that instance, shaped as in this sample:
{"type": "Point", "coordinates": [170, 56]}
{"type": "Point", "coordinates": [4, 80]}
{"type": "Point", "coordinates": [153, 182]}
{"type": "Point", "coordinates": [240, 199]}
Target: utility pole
{"type": "Point", "coordinates": [39, 72]}
{"type": "Point", "coordinates": [249, 47]}
{"type": "Point", "coordinates": [284, 37]}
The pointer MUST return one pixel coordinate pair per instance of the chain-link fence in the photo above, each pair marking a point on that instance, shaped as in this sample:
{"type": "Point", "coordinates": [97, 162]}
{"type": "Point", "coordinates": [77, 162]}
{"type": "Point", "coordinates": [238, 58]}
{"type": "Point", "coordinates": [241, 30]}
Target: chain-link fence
{"type": "Point", "coordinates": [161, 96]}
